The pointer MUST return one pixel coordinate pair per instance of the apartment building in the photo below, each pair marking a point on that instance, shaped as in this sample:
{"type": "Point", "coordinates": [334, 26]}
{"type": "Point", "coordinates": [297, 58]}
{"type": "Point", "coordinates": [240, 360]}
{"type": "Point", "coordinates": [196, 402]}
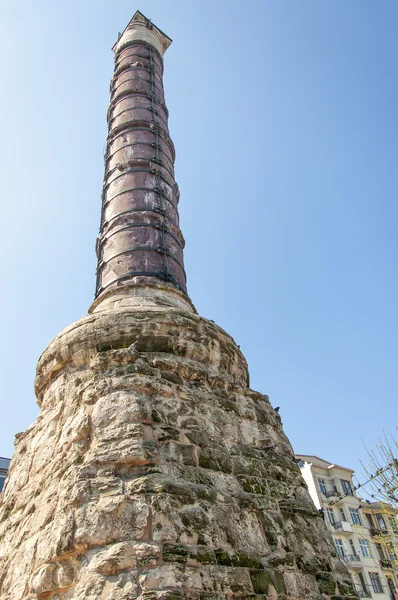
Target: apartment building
{"type": "Point", "coordinates": [4, 464]}
{"type": "Point", "coordinates": [348, 519]}
{"type": "Point", "coordinates": [383, 527]}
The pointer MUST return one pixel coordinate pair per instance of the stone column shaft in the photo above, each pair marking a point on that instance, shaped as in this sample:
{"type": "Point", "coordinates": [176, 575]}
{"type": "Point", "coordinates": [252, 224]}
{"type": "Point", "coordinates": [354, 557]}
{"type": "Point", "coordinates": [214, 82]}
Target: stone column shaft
{"type": "Point", "coordinates": [140, 239]}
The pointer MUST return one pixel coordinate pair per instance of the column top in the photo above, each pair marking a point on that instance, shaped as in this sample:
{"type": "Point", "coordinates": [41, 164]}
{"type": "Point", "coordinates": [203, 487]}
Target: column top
{"type": "Point", "coordinates": [141, 28]}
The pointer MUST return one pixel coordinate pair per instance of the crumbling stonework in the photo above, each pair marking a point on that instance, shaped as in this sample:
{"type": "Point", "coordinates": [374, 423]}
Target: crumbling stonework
{"type": "Point", "coordinates": [154, 471]}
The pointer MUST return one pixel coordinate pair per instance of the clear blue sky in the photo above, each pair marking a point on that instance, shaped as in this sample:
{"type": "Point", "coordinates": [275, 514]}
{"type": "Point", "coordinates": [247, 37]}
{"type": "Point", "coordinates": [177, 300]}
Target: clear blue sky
{"type": "Point", "coordinates": [284, 116]}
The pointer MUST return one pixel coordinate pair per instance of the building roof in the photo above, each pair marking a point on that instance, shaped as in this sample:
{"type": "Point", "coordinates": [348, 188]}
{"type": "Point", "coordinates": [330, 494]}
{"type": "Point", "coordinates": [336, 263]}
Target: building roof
{"type": "Point", "coordinates": [316, 460]}
{"type": "Point", "coordinates": [380, 506]}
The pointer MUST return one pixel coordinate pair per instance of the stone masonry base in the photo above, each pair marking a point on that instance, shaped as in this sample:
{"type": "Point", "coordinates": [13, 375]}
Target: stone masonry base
{"type": "Point", "coordinates": [154, 472]}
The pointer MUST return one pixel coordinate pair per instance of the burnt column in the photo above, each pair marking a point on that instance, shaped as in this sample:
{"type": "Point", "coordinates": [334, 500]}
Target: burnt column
{"type": "Point", "coordinates": [153, 471]}
{"type": "Point", "coordinates": [140, 239]}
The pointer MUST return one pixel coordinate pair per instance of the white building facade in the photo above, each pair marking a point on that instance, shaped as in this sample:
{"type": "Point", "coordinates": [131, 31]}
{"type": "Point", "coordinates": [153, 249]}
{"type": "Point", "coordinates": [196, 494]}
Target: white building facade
{"type": "Point", "coordinates": [332, 491]}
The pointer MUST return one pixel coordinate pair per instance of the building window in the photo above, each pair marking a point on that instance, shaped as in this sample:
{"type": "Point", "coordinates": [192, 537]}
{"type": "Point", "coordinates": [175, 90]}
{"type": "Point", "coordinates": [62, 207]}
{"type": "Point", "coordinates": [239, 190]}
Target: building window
{"type": "Point", "coordinates": [391, 551]}
{"type": "Point", "coordinates": [370, 521]}
{"type": "Point", "coordinates": [2, 480]}
{"type": "Point", "coordinates": [393, 524]}
{"type": "Point", "coordinates": [342, 514]}
{"type": "Point", "coordinates": [381, 523]}
{"type": "Point", "coordinates": [330, 515]}
{"type": "Point", "coordinates": [391, 585]}
{"type": "Point", "coordinates": [322, 486]}
{"type": "Point", "coordinates": [339, 547]}
{"type": "Point", "coordinates": [353, 550]}
{"type": "Point", "coordinates": [365, 548]}
{"type": "Point", "coordinates": [381, 552]}
{"type": "Point", "coordinates": [376, 584]}
{"type": "Point", "coordinates": [355, 518]}
{"type": "Point", "coordinates": [363, 583]}
{"type": "Point", "coordinates": [346, 485]}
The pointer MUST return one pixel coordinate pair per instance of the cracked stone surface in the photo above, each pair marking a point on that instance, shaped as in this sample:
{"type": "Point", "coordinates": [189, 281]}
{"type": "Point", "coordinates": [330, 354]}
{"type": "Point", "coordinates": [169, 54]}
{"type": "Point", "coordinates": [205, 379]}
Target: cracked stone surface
{"type": "Point", "coordinates": [154, 472]}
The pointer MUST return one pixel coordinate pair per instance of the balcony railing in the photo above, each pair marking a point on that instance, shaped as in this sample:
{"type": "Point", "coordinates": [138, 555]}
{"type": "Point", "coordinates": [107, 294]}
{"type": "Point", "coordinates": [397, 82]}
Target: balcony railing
{"type": "Point", "coordinates": [351, 558]}
{"type": "Point", "coordinates": [343, 527]}
{"type": "Point", "coordinates": [330, 493]}
{"type": "Point", "coordinates": [363, 594]}
{"type": "Point", "coordinates": [385, 563]}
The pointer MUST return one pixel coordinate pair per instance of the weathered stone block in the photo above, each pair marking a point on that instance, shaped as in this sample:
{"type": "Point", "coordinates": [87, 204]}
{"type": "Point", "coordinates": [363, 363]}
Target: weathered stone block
{"type": "Point", "coordinates": [110, 519]}
{"type": "Point", "coordinates": [300, 585]}
{"type": "Point", "coordinates": [122, 556]}
{"type": "Point", "coordinates": [129, 495]}
{"type": "Point", "coordinates": [52, 576]}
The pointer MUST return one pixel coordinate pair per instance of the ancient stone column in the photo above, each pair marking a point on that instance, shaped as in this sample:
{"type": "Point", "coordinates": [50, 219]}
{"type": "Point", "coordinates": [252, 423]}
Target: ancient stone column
{"type": "Point", "coordinates": [153, 471]}
{"type": "Point", "coordinates": [140, 234]}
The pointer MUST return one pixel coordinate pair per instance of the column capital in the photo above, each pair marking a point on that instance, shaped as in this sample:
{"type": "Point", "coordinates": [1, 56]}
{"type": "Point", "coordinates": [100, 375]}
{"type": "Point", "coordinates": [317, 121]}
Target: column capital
{"type": "Point", "coordinates": [142, 29]}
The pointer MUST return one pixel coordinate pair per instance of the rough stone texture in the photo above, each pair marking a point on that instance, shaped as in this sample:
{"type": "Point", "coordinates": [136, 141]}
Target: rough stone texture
{"type": "Point", "coordinates": [147, 474]}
